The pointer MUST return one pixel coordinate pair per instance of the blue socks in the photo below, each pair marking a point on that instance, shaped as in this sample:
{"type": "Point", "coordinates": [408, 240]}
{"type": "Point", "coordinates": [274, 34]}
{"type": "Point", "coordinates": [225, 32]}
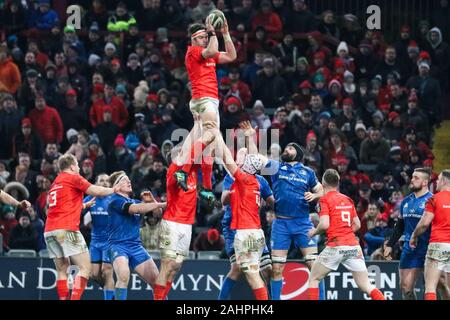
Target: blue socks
{"type": "Point", "coordinates": [276, 286]}
{"type": "Point", "coordinates": [322, 291]}
{"type": "Point", "coordinates": [108, 294]}
{"type": "Point", "coordinates": [225, 291]}
{"type": "Point", "coordinates": [121, 294]}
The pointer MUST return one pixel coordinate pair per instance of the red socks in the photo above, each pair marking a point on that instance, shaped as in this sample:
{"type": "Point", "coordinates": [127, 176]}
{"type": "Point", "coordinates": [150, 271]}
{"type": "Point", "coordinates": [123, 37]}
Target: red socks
{"type": "Point", "coordinates": [197, 147]}
{"type": "Point", "coordinates": [207, 166]}
{"type": "Point", "coordinates": [313, 294]}
{"type": "Point", "coordinates": [261, 294]}
{"type": "Point", "coordinates": [168, 287]}
{"type": "Point", "coordinates": [78, 287]}
{"type": "Point", "coordinates": [430, 296]}
{"type": "Point", "coordinates": [62, 289]}
{"type": "Point", "coordinates": [376, 294]}
{"type": "Point", "coordinates": [158, 292]}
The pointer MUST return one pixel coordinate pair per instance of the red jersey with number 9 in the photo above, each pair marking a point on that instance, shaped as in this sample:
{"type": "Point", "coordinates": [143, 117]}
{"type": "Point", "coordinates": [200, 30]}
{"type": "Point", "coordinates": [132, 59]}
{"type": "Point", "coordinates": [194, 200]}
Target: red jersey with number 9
{"type": "Point", "coordinates": [341, 211]}
{"type": "Point", "coordinates": [65, 202]}
{"type": "Point", "coordinates": [245, 199]}
{"type": "Point", "coordinates": [202, 73]}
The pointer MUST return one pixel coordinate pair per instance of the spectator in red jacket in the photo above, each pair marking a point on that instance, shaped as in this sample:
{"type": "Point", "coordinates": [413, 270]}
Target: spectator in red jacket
{"type": "Point", "coordinates": [119, 111]}
{"type": "Point", "coordinates": [46, 121]}
{"type": "Point", "coordinates": [10, 79]}
{"type": "Point", "coordinates": [267, 18]}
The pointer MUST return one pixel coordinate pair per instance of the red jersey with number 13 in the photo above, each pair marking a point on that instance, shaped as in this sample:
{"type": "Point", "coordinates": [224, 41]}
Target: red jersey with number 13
{"type": "Point", "coordinates": [202, 73]}
{"type": "Point", "coordinates": [245, 199]}
{"type": "Point", "coordinates": [65, 202]}
{"type": "Point", "coordinates": [341, 211]}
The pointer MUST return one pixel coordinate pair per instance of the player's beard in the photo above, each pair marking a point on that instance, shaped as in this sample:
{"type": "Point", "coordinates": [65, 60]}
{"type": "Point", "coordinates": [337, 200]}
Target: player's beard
{"type": "Point", "coordinates": [414, 189]}
{"type": "Point", "coordinates": [285, 157]}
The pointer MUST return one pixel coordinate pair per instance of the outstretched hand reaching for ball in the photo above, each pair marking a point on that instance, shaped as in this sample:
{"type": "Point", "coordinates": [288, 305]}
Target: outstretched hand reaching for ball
{"type": "Point", "coordinates": [224, 29]}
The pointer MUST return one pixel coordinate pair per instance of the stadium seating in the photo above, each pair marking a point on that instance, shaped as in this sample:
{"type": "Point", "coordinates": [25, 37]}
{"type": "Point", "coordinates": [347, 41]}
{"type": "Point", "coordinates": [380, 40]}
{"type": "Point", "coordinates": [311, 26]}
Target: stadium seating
{"type": "Point", "coordinates": [19, 253]}
{"type": "Point", "coordinates": [208, 255]}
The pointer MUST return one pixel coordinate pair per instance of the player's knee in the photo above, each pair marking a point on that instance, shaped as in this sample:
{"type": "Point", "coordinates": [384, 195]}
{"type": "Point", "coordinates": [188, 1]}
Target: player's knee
{"type": "Point", "coordinates": [278, 263]}
{"type": "Point", "coordinates": [107, 269]}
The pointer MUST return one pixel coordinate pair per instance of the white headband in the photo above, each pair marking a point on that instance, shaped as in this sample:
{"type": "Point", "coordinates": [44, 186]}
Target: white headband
{"type": "Point", "coordinates": [198, 33]}
{"type": "Point", "coordinates": [119, 179]}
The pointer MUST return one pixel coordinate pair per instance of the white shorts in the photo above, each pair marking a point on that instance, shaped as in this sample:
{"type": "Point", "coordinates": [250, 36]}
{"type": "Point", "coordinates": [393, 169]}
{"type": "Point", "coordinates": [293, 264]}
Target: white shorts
{"type": "Point", "coordinates": [248, 246]}
{"type": "Point", "coordinates": [174, 239]}
{"type": "Point", "coordinates": [205, 105]}
{"type": "Point", "coordinates": [440, 252]}
{"type": "Point", "coordinates": [350, 256]}
{"type": "Point", "coordinates": [65, 243]}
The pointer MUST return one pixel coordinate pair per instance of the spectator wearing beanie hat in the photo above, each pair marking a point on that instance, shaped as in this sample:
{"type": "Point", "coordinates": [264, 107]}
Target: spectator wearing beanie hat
{"type": "Point", "coordinates": [410, 140]}
{"type": "Point", "coordinates": [119, 111]}
{"type": "Point", "coordinates": [346, 120]}
{"type": "Point", "coordinates": [258, 117]}
{"type": "Point", "coordinates": [234, 113]}
{"type": "Point", "coordinates": [87, 170]}
{"type": "Point", "coordinates": [415, 117]}
{"type": "Point", "coordinates": [23, 235]}
{"type": "Point", "coordinates": [121, 158]}
{"type": "Point", "coordinates": [107, 131]}
{"type": "Point", "coordinates": [393, 130]}
{"type": "Point", "coordinates": [209, 240]}
{"type": "Point", "coordinates": [430, 94]}
{"type": "Point", "coordinates": [334, 97]}
{"type": "Point", "coordinates": [313, 153]}
{"type": "Point", "coordinates": [27, 141]}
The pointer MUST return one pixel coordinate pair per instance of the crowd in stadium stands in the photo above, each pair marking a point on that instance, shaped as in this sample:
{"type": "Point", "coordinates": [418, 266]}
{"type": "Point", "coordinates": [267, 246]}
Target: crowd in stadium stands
{"type": "Point", "coordinates": [113, 93]}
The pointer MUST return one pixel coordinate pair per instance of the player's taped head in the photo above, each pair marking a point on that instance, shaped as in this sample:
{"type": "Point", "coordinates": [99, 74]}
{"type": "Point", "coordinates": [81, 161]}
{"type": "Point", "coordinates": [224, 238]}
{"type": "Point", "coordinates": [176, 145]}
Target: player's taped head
{"type": "Point", "coordinates": [298, 156]}
{"type": "Point", "coordinates": [196, 29]}
{"type": "Point", "coordinates": [252, 164]}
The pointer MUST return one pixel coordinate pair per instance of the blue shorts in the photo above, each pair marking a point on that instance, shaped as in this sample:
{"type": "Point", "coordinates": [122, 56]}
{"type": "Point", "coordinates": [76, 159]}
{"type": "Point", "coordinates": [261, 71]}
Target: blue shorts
{"type": "Point", "coordinates": [228, 235]}
{"type": "Point", "coordinates": [135, 253]}
{"type": "Point", "coordinates": [99, 252]}
{"type": "Point", "coordinates": [286, 230]}
{"type": "Point", "coordinates": [411, 259]}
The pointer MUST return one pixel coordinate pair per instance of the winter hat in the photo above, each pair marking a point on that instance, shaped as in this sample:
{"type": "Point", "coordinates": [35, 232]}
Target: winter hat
{"type": "Point", "coordinates": [233, 100]}
{"type": "Point", "coordinates": [424, 64]}
{"type": "Point", "coordinates": [365, 44]}
{"type": "Point", "coordinates": [319, 55]}
{"type": "Point", "coordinates": [348, 74]}
{"type": "Point", "coordinates": [412, 46]}
{"type": "Point", "coordinates": [360, 126]}
{"type": "Point", "coordinates": [110, 45]}
{"type": "Point", "coordinates": [334, 82]}
{"type": "Point", "coordinates": [318, 77]}
{"type": "Point", "coordinates": [152, 97]}
{"type": "Point", "coordinates": [342, 46]}
{"type": "Point", "coordinates": [302, 60]}
{"type": "Point", "coordinates": [71, 133]}
{"type": "Point", "coordinates": [393, 115]}
{"type": "Point", "coordinates": [120, 88]}
{"type": "Point", "coordinates": [26, 122]}
{"type": "Point", "coordinates": [93, 59]}
{"type": "Point", "coordinates": [213, 235]}
{"type": "Point", "coordinates": [258, 103]}
{"type": "Point", "coordinates": [88, 162]}
{"type": "Point", "coordinates": [120, 141]}
{"type": "Point", "coordinates": [348, 101]}
{"type": "Point", "coordinates": [311, 135]}
{"type": "Point", "coordinates": [300, 153]}
{"type": "Point", "coordinates": [305, 85]}
{"type": "Point", "coordinates": [378, 114]}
